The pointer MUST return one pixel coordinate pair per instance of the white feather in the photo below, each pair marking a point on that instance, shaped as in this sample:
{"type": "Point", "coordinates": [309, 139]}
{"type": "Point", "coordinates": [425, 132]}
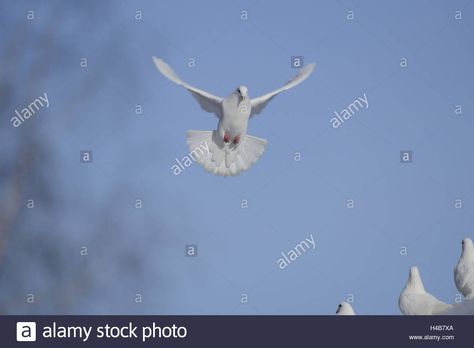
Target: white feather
{"type": "Point", "coordinates": [223, 159]}
{"type": "Point", "coordinates": [259, 103]}
{"type": "Point", "coordinates": [208, 102]}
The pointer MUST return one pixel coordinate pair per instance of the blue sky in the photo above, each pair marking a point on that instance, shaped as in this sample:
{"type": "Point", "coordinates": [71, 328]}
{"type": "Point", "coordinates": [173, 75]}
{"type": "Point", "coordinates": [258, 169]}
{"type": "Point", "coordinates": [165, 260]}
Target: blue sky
{"type": "Point", "coordinates": [396, 205]}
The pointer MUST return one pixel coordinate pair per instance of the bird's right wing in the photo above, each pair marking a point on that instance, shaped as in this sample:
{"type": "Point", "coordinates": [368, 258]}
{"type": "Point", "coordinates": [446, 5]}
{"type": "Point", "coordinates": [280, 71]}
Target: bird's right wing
{"type": "Point", "coordinates": [208, 102]}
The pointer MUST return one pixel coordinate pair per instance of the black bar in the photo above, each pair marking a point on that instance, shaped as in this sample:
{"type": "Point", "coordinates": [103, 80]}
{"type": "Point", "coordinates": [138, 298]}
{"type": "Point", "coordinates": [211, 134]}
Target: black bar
{"type": "Point", "coordinates": [247, 331]}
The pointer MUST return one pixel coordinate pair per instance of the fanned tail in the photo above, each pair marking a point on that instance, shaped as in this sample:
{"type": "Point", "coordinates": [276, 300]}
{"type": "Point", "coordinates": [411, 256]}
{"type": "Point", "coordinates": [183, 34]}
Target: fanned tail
{"type": "Point", "coordinates": [223, 159]}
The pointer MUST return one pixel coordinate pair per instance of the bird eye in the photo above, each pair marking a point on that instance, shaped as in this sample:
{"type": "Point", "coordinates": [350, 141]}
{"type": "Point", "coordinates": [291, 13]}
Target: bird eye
{"type": "Point", "coordinates": [339, 306]}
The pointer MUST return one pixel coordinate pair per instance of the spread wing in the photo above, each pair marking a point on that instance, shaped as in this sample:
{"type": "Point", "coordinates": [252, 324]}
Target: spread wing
{"type": "Point", "coordinates": [208, 102]}
{"type": "Point", "coordinates": [259, 103]}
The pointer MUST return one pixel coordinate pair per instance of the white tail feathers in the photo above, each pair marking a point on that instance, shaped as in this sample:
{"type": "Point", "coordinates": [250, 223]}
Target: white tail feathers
{"type": "Point", "coordinates": [221, 158]}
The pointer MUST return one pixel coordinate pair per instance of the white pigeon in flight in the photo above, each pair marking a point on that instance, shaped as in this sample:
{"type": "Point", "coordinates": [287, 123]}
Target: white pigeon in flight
{"type": "Point", "coordinates": [464, 270]}
{"type": "Point", "coordinates": [345, 308]}
{"type": "Point", "coordinates": [414, 300]}
{"type": "Point", "coordinates": [231, 149]}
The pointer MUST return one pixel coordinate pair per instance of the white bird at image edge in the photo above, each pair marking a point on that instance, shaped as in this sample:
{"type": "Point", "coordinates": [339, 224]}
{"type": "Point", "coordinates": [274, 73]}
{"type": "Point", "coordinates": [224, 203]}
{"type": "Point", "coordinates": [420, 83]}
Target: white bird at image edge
{"type": "Point", "coordinates": [231, 149]}
{"type": "Point", "coordinates": [464, 270]}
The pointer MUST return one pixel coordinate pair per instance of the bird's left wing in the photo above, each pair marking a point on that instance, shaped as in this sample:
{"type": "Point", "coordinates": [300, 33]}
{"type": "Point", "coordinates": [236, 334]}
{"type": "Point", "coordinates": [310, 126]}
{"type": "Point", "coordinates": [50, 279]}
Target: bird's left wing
{"type": "Point", "coordinates": [208, 102]}
{"type": "Point", "coordinates": [260, 102]}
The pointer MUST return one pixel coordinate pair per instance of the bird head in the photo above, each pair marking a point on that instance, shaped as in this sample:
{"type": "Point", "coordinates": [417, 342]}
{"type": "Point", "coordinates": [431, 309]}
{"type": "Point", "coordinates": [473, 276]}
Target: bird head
{"type": "Point", "coordinates": [344, 308]}
{"type": "Point", "coordinates": [467, 244]}
{"type": "Point", "coordinates": [414, 272]}
{"type": "Point", "coordinates": [414, 280]}
{"type": "Point", "coordinates": [242, 92]}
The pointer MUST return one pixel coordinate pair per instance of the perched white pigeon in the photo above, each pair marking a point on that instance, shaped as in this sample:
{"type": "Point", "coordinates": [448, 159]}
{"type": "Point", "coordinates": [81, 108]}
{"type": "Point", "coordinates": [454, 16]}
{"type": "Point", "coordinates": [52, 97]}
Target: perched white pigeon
{"type": "Point", "coordinates": [464, 270]}
{"type": "Point", "coordinates": [231, 149]}
{"type": "Point", "coordinates": [345, 308]}
{"type": "Point", "coordinates": [414, 300]}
